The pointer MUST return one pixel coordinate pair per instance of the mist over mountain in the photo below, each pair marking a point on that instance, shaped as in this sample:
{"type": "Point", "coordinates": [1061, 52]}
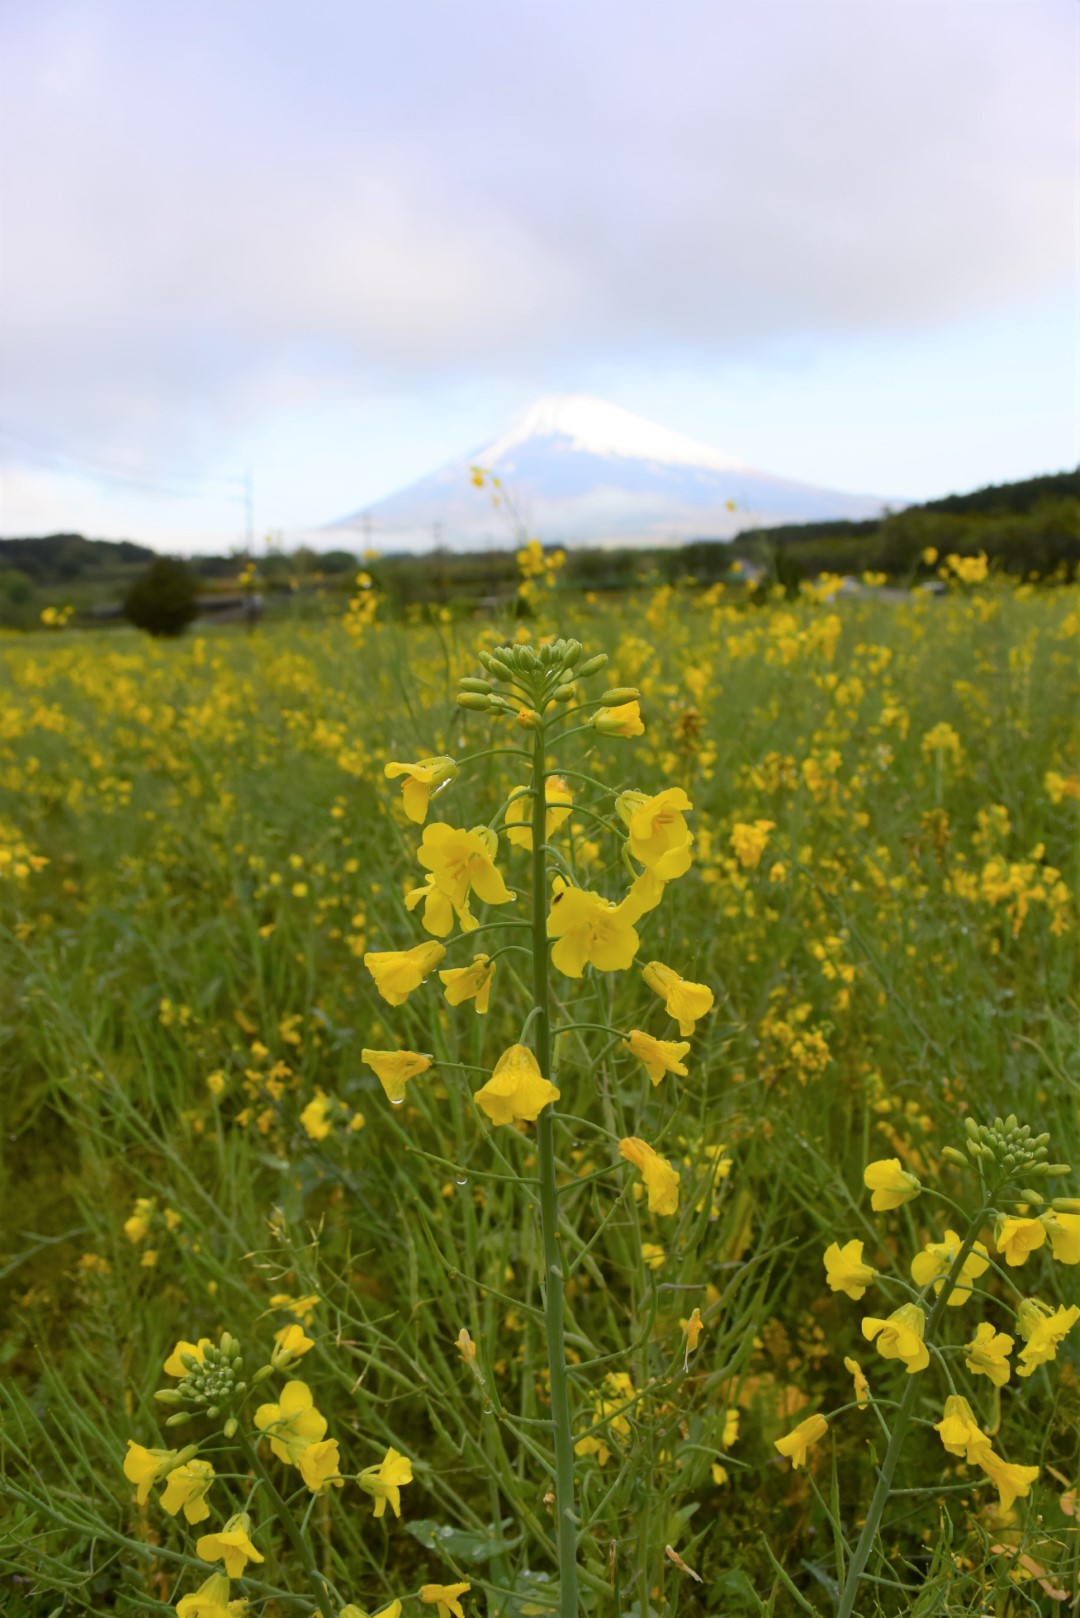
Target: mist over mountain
{"type": "Point", "coordinates": [584, 472]}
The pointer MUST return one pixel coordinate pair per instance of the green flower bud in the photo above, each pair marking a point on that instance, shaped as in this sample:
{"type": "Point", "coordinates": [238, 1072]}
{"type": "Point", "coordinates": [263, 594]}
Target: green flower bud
{"type": "Point", "coordinates": [467, 683]}
{"type": "Point", "coordinates": [261, 1375]}
{"type": "Point", "coordinates": [1066, 1205]}
{"type": "Point", "coordinates": [168, 1396]}
{"type": "Point", "coordinates": [179, 1419]}
{"type": "Point", "coordinates": [230, 1427]}
{"type": "Point", "coordinates": [954, 1156]}
{"type": "Point", "coordinates": [1032, 1196]}
{"type": "Point", "coordinates": [1057, 1168]}
{"type": "Point", "coordinates": [592, 666]}
{"type": "Point", "coordinates": [618, 695]}
{"type": "Point", "coordinates": [474, 701]}
{"type": "Point", "coordinates": [571, 654]}
{"type": "Point", "coordinates": [972, 1128]}
{"type": "Point", "coordinates": [563, 693]}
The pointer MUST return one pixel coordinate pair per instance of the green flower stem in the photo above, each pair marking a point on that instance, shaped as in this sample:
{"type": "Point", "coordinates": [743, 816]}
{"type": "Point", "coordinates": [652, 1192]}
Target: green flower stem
{"type": "Point", "coordinates": [566, 1526]}
{"type": "Point", "coordinates": [292, 1531]}
{"type": "Point", "coordinates": [883, 1490]}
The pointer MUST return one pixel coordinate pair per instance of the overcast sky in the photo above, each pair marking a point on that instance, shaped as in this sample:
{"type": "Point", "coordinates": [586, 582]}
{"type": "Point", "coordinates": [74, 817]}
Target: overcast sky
{"type": "Point", "coordinates": [342, 243]}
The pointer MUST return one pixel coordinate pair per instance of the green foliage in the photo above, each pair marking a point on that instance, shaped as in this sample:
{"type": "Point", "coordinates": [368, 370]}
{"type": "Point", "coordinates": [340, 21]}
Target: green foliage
{"type": "Point", "coordinates": [163, 601]}
{"type": "Point", "coordinates": [184, 975]}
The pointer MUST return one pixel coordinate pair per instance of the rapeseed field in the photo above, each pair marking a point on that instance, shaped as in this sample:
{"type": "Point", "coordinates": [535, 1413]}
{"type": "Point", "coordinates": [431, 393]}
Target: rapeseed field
{"type": "Point", "coordinates": [520, 1116]}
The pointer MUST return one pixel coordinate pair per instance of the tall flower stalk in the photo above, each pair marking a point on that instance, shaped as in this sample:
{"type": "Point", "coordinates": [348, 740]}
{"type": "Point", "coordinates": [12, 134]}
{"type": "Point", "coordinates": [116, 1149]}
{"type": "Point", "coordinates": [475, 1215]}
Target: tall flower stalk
{"type": "Point", "coordinates": [571, 931]}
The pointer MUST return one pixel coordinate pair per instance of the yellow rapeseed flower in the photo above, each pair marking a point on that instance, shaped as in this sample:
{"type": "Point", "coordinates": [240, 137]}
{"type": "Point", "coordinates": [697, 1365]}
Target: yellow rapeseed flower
{"type": "Point", "coordinates": [960, 1432]}
{"type": "Point", "coordinates": [186, 1488]}
{"type": "Point", "coordinates": [845, 1270]}
{"type": "Point", "coordinates": [445, 1598]}
{"type": "Point", "coordinates": [892, 1186]}
{"type": "Point", "coordinates": [590, 930]}
{"type": "Point", "coordinates": [1011, 1481]}
{"type": "Point", "coordinates": [661, 1180]}
{"type": "Point", "coordinates": [231, 1545]}
{"type": "Point", "coordinates": [426, 776]}
{"type": "Point", "coordinates": [460, 862]}
{"type": "Point", "coordinates": [291, 1341]}
{"type": "Point", "coordinates": [293, 1423]}
{"type": "Point", "coordinates": [749, 841]}
{"type": "Point", "coordinates": [320, 1465]}
{"type": "Point", "coordinates": [559, 801]}
{"type": "Point", "coordinates": [659, 1056]}
{"type": "Point", "coordinates": [174, 1365]}
{"type": "Point", "coordinates": [315, 1118]}
{"type": "Point", "coordinates": [1016, 1238]}
{"type": "Point", "coordinates": [210, 1600]}
{"type": "Point", "coordinates": [517, 1090]}
{"type": "Point", "coordinates": [1043, 1330]}
{"type": "Point", "coordinates": [692, 1330]}
{"type": "Point", "coordinates": [350, 1610]}
{"type": "Point", "coordinates": [686, 1002]}
{"type": "Point", "coordinates": [659, 837]}
{"type": "Point", "coordinates": [935, 1261]}
{"type": "Point", "coordinates": [861, 1386]}
{"type": "Point", "coordinates": [795, 1444]}
{"type": "Point", "coordinates": [623, 720]}
{"type": "Point", "coordinates": [144, 1467]}
{"type": "Point", "coordinates": [394, 1069]}
{"type": "Point", "coordinates": [1064, 1233]}
{"type": "Point", "coordinates": [900, 1336]}
{"type": "Point", "coordinates": [386, 1481]}
{"type": "Point", "coordinates": [463, 983]}
{"type": "Point", "coordinates": [988, 1354]}
{"type": "Point", "coordinates": [397, 972]}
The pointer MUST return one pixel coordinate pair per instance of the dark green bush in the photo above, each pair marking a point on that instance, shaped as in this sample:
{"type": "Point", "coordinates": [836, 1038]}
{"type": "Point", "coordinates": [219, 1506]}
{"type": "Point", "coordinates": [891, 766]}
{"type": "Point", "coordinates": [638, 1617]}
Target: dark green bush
{"type": "Point", "coordinates": [163, 601]}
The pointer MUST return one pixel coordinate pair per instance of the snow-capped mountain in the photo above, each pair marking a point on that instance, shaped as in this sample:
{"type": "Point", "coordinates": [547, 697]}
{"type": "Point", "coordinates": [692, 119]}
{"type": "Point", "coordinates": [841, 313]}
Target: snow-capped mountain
{"type": "Point", "coordinates": [583, 472]}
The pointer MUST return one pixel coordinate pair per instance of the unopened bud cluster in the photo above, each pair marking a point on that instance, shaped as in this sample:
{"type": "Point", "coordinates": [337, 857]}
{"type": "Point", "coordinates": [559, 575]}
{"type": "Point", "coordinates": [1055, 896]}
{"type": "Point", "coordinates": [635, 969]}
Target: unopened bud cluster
{"type": "Point", "coordinates": [210, 1385]}
{"type": "Point", "coordinates": [1010, 1146]}
{"type": "Point", "coordinates": [539, 674]}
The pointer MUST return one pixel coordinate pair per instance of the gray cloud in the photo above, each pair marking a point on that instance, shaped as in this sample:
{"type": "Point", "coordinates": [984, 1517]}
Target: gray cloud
{"type": "Point", "coordinates": [208, 215]}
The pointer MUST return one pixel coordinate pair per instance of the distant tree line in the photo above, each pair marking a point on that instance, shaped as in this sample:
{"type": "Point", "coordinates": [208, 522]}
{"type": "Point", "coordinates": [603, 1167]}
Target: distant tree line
{"type": "Point", "coordinates": [1029, 529]}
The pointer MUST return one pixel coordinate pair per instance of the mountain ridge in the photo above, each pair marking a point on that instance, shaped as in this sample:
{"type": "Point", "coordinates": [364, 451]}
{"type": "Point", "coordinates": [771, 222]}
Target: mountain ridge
{"type": "Point", "coordinates": [582, 471]}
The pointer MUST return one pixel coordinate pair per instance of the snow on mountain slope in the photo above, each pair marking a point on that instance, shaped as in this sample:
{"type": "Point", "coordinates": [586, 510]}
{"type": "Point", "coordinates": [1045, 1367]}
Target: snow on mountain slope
{"type": "Point", "coordinates": [584, 472]}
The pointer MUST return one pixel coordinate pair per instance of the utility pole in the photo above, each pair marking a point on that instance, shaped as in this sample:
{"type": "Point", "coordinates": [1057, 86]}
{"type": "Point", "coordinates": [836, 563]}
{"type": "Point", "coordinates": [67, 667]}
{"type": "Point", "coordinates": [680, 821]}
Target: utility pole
{"type": "Point", "coordinates": [249, 507]}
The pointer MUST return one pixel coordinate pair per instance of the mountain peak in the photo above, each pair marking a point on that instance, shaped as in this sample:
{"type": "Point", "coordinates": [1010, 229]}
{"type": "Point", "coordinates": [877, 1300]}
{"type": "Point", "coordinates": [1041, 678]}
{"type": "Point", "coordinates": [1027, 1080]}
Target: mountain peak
{"type": "Point", "coordinates": [582, 471]}
{"type": "Point", "coordinates": [594, 427]}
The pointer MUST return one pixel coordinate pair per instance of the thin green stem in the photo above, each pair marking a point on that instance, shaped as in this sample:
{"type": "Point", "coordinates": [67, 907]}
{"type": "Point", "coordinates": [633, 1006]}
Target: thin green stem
{"type": "Point", "coordinates": [292, 1530]}
{"type": "Point", "coordinates": [883, 1490]}
{"type": "Point", "coordinates": [566, 1526]}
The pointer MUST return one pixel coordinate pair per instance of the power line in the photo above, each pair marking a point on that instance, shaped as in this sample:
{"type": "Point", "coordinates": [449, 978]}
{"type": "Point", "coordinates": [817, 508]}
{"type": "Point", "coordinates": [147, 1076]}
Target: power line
{"type": "Point", "coordinates": [230, 488]}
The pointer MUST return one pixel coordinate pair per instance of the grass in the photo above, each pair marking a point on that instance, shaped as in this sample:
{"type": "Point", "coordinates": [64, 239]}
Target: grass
{"type": "Point", "coordinates": [184, 976]}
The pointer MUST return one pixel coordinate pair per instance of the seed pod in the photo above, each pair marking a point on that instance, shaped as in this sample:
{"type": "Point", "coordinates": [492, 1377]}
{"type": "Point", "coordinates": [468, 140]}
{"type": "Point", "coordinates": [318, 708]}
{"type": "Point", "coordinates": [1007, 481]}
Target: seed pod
{"type": "Point", "coordinates": [618, 695]}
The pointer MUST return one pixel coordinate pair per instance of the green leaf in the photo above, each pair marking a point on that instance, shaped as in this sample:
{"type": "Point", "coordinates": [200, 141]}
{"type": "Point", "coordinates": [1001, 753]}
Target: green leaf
{"type": "Point", "coordinates": [459, 1544]}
